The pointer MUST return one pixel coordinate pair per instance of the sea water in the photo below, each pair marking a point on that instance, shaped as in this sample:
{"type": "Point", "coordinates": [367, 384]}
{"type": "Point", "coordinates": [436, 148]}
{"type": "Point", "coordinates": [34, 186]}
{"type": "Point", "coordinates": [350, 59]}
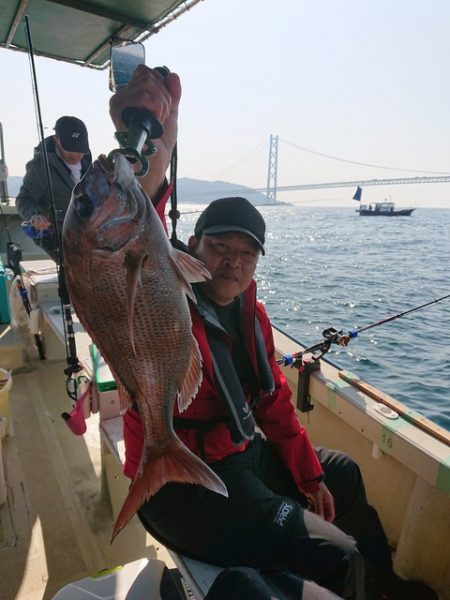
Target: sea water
{"type": "Point", "coordinates": [329, 267]}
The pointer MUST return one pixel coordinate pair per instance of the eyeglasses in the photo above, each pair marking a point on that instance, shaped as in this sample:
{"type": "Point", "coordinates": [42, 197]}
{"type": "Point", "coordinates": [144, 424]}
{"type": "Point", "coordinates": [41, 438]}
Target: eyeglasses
{"type": "Point", "coordinates": [245, 251]}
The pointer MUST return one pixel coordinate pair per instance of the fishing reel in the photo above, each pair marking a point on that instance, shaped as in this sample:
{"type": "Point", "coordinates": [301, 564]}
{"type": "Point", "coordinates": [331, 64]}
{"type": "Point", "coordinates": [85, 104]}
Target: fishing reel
{"type": "Point", "coordinates": [333, 336]}
{"type": "Point", "coordinates": [314, 353]}
{"type": "Point", "coordinates": [308, 362]}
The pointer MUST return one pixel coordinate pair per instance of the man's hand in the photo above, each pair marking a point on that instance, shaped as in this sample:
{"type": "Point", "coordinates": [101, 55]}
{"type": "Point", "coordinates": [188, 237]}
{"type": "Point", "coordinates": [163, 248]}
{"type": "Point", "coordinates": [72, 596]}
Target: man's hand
{"type": "Point", "coordinates": [39, 222]}
{"type": "Point", "coordinates": [160, 95]}
{"type": "Point", "coordinates": [323, 503]}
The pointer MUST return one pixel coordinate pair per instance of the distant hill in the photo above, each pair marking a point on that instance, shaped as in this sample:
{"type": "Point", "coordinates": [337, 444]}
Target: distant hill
{"type": "Point", "coordinates": [202, 192]}
{"type": "Point", "coordinates": [192, 191]}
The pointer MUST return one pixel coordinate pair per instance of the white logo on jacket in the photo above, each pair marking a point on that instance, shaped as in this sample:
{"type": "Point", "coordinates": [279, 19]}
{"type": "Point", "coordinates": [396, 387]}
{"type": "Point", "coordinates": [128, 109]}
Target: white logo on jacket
{"type": "Point", "coordinates": [283, 512]}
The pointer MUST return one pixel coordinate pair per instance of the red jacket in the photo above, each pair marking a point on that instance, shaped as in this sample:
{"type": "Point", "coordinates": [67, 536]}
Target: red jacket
{"type": "Point", "coordinates": [274, 412]}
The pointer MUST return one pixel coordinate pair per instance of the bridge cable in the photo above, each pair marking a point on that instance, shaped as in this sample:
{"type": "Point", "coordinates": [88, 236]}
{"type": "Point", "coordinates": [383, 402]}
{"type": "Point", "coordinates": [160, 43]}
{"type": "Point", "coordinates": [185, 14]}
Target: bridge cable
{"type": "Point", "coordinates": [355, 162]}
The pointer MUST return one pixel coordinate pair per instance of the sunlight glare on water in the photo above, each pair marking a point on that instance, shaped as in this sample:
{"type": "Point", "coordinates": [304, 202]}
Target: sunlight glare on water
{"type": "Point", "coordinates": [328, 267]}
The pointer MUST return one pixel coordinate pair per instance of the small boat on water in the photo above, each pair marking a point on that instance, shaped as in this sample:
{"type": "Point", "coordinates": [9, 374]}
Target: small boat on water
{"type": "Point", "coordinates": [383, 209]}
{"type": "Point", "coordinates": [380, 209]}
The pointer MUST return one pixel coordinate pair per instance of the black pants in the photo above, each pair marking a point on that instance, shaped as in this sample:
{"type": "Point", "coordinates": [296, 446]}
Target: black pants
{"type": "Point", "coordinates": [263, 522]}
{"type": "Point", "coordinates": [236, 583]}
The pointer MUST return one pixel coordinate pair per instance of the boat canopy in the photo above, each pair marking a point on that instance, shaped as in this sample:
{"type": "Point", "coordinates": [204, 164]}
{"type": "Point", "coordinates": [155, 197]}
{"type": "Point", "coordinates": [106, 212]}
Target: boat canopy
{"type": "Point", "coordinates": [81, 31]}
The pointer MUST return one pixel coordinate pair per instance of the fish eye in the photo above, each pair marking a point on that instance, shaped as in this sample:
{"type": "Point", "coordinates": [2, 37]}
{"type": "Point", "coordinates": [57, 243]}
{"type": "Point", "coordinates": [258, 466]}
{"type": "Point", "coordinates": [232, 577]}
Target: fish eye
{"type": "Point", "coordinates": [84, 206]}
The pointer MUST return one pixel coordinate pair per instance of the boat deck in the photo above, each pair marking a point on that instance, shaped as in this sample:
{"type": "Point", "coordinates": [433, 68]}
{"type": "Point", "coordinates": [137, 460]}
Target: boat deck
{"type": "Point", "coordinates": [56, 525]}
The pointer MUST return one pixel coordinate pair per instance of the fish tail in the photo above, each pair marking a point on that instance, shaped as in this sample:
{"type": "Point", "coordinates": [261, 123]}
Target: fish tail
{"type": "Point", "coordinates": [177, 463]}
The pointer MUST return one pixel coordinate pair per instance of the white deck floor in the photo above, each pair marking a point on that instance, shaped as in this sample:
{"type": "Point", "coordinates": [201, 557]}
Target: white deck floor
{"type": "Point", "coordinates": [56, 525]}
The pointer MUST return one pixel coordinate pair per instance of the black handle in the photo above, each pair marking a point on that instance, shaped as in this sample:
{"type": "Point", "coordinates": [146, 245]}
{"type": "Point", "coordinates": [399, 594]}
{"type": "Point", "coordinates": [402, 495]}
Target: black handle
{"type": "Point", "coordinates": [142, 128]}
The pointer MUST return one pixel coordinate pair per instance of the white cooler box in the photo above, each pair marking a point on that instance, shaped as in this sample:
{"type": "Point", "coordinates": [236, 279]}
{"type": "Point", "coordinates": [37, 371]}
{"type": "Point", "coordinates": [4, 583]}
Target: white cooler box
{"type": "Point", "coordinates": [137, 580]}
{"type": "Point", "coordinates": [43, 280]}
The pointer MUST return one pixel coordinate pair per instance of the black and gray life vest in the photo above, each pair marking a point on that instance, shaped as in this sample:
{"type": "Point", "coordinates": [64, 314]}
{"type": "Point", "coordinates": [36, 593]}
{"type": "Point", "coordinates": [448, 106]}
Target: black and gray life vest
{"type": "Point", "coordinates": [239, 417]}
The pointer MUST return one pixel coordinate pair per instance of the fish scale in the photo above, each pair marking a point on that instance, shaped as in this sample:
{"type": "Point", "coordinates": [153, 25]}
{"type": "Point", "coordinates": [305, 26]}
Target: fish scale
{"type": "Point", "coordinates": [129, 288]}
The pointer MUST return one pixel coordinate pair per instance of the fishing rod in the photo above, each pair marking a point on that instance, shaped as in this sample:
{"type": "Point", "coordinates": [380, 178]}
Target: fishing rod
{"type": "Point", "coordinates": [397, 316]}
{"type": "Point", "coordinates": [14, 251]}
{"type": "Point", "coordinates": [308, 361]}
{"type": "Point", "coordinates": [73, 365]}
{"type": "Point", "coordinates": [333, 336]}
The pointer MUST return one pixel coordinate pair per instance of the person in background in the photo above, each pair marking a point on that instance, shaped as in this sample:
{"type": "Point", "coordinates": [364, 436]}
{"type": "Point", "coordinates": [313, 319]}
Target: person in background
{"type": "Point", "coordinates": [68, 158]}
{"type": "Point", "coordinates": [289, 504]}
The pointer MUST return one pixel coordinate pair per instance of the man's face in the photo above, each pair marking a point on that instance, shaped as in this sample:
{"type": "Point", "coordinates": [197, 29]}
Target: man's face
{"type": "Point", "coordinates": [71, 158]}
{"type": "Point", "coordinates": [231, 258]}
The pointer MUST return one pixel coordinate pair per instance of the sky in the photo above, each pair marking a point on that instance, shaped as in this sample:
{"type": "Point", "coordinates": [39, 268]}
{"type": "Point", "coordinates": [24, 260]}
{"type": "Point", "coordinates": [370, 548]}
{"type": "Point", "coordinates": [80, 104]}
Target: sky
{"type": "Point", "coordinates": [362, 81]}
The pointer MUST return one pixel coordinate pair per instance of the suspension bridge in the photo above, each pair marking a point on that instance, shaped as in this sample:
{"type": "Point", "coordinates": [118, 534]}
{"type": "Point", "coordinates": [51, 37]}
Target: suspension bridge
{"type": "Point", "coordinates": [272, 188]}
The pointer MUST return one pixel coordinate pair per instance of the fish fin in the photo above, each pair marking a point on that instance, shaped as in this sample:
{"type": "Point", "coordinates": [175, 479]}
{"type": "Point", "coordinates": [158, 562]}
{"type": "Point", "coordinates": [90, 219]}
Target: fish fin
{"type": "Point", "coordinates": [189, 270]}
{"type": "Point", "coordinates": [192, 379]}
{"type": "Point", "coordinates": [174, 462]}
{"type": "Point", "coordinates": [133, 264]}
{"type": "Point", "coordinates": [124, 396]}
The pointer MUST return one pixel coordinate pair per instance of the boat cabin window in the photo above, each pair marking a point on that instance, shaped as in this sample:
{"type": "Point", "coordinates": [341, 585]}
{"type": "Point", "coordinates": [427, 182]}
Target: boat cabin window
{"type": "Point", "coordinates": [384, 206]}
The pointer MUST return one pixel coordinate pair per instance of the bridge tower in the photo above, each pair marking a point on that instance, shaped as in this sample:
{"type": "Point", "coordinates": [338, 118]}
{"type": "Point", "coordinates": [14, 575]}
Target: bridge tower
{"type": "Point", "coordinates": [272, 170]}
